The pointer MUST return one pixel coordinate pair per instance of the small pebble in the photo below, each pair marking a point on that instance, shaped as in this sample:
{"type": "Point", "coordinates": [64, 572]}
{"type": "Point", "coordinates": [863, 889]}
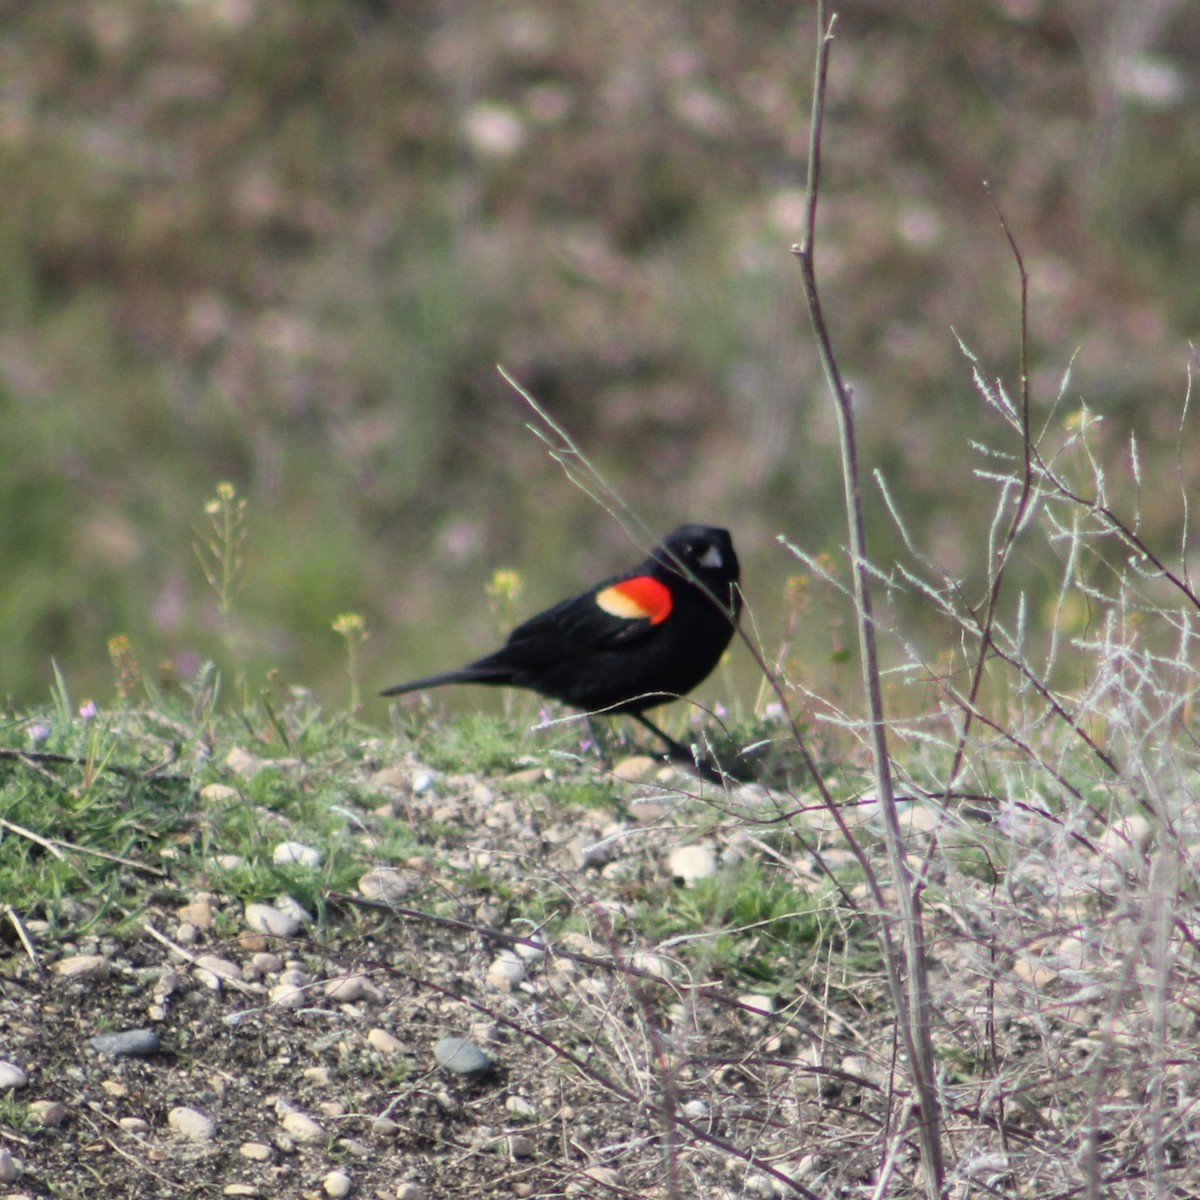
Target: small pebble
{"type": "Point", "coordinates": [198, 913]}
{"type": "Point", "coordinates": [82, 966]}
{"type": "Point", "coordinates": [302, 1127]}
{"type": "Point", "coordinates": [287, 853]}
{"type": "Point", "coordinates": [287, 995]}
{"type": "Point", "coordinates": [266, 918]}
{"type": "Point", "coordinates": [461, 1057]}
{"type": "Point", "coordinates": [690, 863]}
{"type": "Point", "coordinates": [757, 1003]}
{"type": "Point", "coordinates": [652, 964]}
{"type": "Point", "coordinates": [346, 989]}
{"type": "Point", "coordinates": [219, 793]}
{"type": "Point", "coordinates": [129, 1043]}
{"type": "Point", "coordinates": [187, 934]}
{"type": "Point", "coordinates": [256, 1151]}
{"type": "Point", "coordinates": [134, 1124]}
{"type": "Point", "coordinates": [242, 762]}
{"type": "Point", "coordinates": [49, 1114]}
{"type": "Point", "coordinates": [506, 971]}
{"type": "Point", "coordinates": [10, 1168]}
{"type": "Point", "coordinates": [212, 970]}
{"type": "Point", "coordinates": [293, 908]}
{"type": "Point", "coordinates": [11, 1076]}
{"type": "Point", "coordinates": [637, 768]}
{"type": "Point", "coordinates": [409, 1191]}
{"type": "Point", "coordinates": [192, 1124]}
{"type": "Point", "coordinates": [422, 780]}
{"type": "Point", "coordinates": [519, 1107]}
{"type": "Point", "coordinates": [521, 1145]}
{"type": "Point", "coordinates": [263, 963]}
{"type": "Point", "coordinates": [385, 884]}
{"type": "Point", "coordinates": [384, 1042]}
{"type": "Point", "coordinates": [239, 1189]}
{"type": "Point", "coordinates": [337, 1184]}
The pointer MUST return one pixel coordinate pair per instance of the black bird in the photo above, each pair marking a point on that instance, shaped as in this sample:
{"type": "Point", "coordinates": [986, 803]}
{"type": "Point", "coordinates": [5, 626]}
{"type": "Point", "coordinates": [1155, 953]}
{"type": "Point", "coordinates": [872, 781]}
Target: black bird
{"type": "Point", "coordinates": [628, 644]}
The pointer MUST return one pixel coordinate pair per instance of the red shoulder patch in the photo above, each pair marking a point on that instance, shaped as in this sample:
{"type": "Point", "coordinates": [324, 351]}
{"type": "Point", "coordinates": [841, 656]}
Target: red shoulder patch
{"type": "Point", "coordinates": [638, 599]}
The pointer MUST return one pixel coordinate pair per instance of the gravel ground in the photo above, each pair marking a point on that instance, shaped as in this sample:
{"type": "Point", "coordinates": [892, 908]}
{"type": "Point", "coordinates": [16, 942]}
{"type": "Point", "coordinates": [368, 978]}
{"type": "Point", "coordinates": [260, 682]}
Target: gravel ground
{"type": "Point", "coordinates": [310, 1064]}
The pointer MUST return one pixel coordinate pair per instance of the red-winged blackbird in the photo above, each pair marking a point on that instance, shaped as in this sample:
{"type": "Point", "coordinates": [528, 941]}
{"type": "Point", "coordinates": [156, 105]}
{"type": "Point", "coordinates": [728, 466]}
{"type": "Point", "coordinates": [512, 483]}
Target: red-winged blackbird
{"type": "Point", "coordinates": [632, 642]}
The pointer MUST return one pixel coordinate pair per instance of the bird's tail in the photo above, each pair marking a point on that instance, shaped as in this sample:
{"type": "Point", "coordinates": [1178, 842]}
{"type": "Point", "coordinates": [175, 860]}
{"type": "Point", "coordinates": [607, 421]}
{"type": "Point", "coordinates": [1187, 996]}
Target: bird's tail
{"type": "Point", "coordinates": [470, 674]}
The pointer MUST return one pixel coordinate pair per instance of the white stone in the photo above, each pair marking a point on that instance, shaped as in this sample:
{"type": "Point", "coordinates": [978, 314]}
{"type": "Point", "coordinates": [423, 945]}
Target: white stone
{"type": "Point", "coordinates": [192, 1124]}
{"type": "Point", "coordinates": [690, 863]}
{"type": "Point", "coordinates": [10, 1168]}
{"type": "Point", "coordinates": [82, 966]}
{"type": "Point", "coordinates": [11, 1076]}
{"type": "Point", "coordinates": [287, 853]}
{"type": "Point", "coordinates": [337, 1184]}
{"type": "Point", "coordinates": [266, 918]}
{"type": "Point", "coordinates": [506, 971]}
{"type": "Point", "coordinates": [212, 970]}
{"type": "Point", "coordinates": [303, 1128]}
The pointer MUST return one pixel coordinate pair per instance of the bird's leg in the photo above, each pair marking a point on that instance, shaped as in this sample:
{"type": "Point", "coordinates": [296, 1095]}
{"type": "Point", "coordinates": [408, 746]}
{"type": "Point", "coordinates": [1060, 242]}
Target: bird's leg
{"type": "Point", "coordinates": [677, 752]}
{"type": "Point", "coordinates": [597, 739]}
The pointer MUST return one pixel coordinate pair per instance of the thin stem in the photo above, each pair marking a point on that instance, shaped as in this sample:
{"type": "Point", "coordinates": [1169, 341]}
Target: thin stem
{"type": "Point", "coordinates": [910, 993]}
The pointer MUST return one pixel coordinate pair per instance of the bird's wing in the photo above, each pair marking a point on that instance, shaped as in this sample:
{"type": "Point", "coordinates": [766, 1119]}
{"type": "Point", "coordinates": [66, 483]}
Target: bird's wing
{"type": "Point", "coordinates": [617, 614]}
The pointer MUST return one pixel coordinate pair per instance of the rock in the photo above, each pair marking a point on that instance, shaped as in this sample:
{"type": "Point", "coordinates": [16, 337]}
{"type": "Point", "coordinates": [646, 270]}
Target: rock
{"type": "Point", "coordinates": [82, 966]}
{"type": "Point", "coordinates": [349, 988]}
{"type": "Point", "coordinates": [652, 964]}
{"type": "Point", "coordinates": [288, 994]}
{"type": "Point", "coordinates": [520, 1108]}
{"type": "Point", "coordinates": [256, 1151]}
{"type": "Point", "coordinates": [11, 1076]}
{"type": "Point", "coordinates": [219, 793]}
{"type": "Point", "coordinates": [297, 853]}
{"type": "Point", "coordinates": [386, 884]}
{"type": "Point", "coordinates": [293, 908]}
{"type": "Point", "coordinates": [266, 918]}
{"type": "Point", "coordinates": [129, 1043]}
{"type": "Point", "coordinates": [212, 970]}
{"type": "Point", "coordinates": [690, 863]}
{"type": "Point", "coordinates": [337, 1184]}
{"type": "Point", "coordinates": [10, 1168]}
{"type": "Point", "coordinates": [242, 762]}
{"type": "Point", "coordinates": [49, 1114]}
{"type": "Point", "coordinates": [384, 1042]}
{"type": "Point", "coordinates": [198, 913]}
{"type": "Point", "coordinates": [461, 1057]}
{"type": "Point", "coordinates": [192, 1124]}
{"type": "Point", "coordinates": [637, 768]}
{"type": "Point", "coordinates": [757, 1003]}
{"type": "Point", "coordinates": [506, 971]}
{"type": "Point", "coordinates": [303, 1128]}
{"type": "Point", "coordinates": [520, 1146]}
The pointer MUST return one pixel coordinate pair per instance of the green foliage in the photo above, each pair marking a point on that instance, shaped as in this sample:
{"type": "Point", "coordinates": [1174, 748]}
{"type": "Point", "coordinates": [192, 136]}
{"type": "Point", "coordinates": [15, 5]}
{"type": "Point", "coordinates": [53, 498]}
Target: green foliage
{"type": "Point", "coordinates": [748, 920]}
{"type": "Point", "coordinates": [476, 742]}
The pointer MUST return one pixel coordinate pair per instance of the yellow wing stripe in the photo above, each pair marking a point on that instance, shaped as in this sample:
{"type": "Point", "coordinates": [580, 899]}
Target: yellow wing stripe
{"type": "Point", "coordinates": [642, 598]}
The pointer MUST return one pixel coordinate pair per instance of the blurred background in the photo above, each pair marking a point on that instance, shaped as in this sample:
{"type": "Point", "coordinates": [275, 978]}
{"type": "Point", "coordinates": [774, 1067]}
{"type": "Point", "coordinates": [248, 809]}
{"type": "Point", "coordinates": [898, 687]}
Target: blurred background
{"type": "Point", "coordinates": [286, 246]}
